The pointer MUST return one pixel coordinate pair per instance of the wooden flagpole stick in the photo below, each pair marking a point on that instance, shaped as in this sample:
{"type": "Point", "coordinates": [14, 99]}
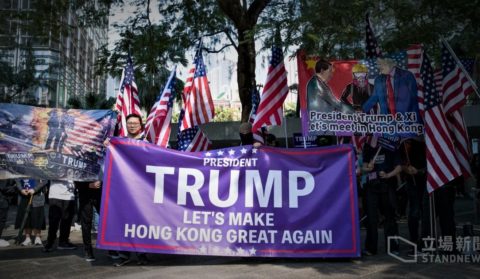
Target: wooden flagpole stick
{"type": "Point", "coordinates": [376, 154]}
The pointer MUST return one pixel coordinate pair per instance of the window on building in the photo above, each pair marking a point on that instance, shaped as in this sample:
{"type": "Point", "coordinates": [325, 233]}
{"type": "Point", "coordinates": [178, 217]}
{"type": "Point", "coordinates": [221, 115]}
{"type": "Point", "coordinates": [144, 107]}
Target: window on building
{"type": "Point", "coordinates": [25, 4]}
{"type": "Point", "coordinates": [6, 4]}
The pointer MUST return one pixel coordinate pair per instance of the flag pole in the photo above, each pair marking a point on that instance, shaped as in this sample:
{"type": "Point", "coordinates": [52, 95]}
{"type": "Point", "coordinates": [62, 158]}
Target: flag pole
{"type": "Point", "coordinates": [285, 126]}
{"type": "Point", "coordinates": [460, 65]}
{"type": "Point", "coordinates": [434, 219]}
{"type": "Point", "coordinates": [431, 215]}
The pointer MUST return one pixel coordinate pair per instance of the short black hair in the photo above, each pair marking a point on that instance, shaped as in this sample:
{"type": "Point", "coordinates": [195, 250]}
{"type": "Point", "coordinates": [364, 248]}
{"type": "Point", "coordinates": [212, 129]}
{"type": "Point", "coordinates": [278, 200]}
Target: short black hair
{"type": "Point", "coordinates": [322, 65]}
{"type": "Point", "coordinates": [134, 115]}
{"type": "Point", "coordinates": [271, 139]}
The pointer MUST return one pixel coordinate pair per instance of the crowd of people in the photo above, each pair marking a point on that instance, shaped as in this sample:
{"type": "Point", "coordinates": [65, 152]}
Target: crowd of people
{"type": "Point", "coordinates": [65, 200]}
{"type": "Point", "coordinates": [392, 177]}
{"type": "Point", "coordinates": [381, 173]}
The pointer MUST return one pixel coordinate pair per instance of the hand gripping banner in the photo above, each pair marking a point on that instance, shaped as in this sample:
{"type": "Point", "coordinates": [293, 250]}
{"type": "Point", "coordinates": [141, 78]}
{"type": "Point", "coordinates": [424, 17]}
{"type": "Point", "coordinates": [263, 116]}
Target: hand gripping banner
{"type": "Point", "coordinates": [238, 201]}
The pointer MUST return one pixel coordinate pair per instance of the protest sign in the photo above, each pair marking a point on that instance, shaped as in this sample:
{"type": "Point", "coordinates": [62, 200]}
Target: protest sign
{"type": "Point", "coordinates": [238, 201]}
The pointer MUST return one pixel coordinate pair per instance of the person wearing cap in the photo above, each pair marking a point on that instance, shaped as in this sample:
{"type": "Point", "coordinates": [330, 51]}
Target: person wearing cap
{"type": "Point", "coordinates": [359, 90]}
{"type": "Point", "coordinates": [395, 90]}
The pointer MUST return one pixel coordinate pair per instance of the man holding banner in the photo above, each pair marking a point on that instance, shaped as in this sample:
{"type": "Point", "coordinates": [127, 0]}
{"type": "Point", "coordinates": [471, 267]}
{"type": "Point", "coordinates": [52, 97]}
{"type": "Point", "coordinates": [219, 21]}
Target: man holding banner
{"type": "Point", "coordinates": [134, 131]}
{"type": "Point", "coordinates": [239, 201]}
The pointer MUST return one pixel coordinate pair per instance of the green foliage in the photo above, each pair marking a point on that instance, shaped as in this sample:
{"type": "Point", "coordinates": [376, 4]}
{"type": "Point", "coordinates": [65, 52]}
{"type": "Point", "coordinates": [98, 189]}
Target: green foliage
{"type": "Point", "coordinates": [74, 102]}
{"type": "Point", "coordinates": [19, 85]}
{"type": "Point", "coordinates": [223, 114]}
{"type": "Point", "coordinates": [153, 48]}
{"type": "Point", "coordinates": [332, 29]}
{"type": "Point", "coordinates": [98, 101]}
{"type": "Point", "coordinates": [91, 101]}
{"type": "Point", "coordinates": [336, 29]}
{"type": "Point", "coordinates": [45, 24]}
{"type": "Point", "coordinates": [290, 110]}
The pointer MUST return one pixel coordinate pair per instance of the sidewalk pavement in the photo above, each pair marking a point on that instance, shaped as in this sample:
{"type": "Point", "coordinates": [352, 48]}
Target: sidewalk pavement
{"type": "Point", "coordinates": [30, 262]}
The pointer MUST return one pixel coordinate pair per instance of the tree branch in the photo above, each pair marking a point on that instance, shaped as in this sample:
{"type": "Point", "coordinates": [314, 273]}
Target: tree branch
{"type": "Point", "coordinates": [255, 10]}
{"type": "Point", "coordinates": [213, 33]}
{"type": "Point", "coordinates": [229, 36]}
{"type": "Point", "coordinates": [232, 10]}
{"type": "Point", "coordinates": [219, 50]}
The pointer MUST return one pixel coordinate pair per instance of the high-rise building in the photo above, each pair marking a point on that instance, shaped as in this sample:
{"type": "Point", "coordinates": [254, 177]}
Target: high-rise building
{"type": "Point", "coordinates": [64, 60]}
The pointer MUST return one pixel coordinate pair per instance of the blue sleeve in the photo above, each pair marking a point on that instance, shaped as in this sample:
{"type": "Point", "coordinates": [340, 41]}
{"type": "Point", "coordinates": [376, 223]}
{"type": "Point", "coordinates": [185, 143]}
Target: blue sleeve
{"type": "Point", "coordinates": [412, 84]}
{"type": "Point", "coordinates": [373, 99]}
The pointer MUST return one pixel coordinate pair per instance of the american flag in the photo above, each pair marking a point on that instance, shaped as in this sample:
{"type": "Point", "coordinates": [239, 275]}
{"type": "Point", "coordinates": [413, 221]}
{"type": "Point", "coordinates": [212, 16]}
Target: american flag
{"type": "Point", "coordinates": [401, 59]}
{"type": "Point", "coordinates": [468, 64]}
{"type": "Point", "coordinates": [438, 79]}
{"type": "Point", "coordinates": [458, 131]}
{"type": "Point", "coordinates": [127, 97]}
{"type": "Point", "coordinates": [84, 134]}
{"type": "Point", "coordinates": [255, 102]}
{"type": "Point", "coordinates": [270, 108]}
{"type": "Point", "coordinates": [191, 139]}
{"type": "Point", "coordinates": [371, 46]}
{"type": "Point", "coordinates": [187, 88]}
{"type": "Point", "coordinates": [414, 62]}
{"type": "Point", "coordinates": [199, 106]}
{"type": "Point", "coordinates": [372, 52]}
{"type": "Point", "coordinates": [442, 165]}
{"type": "Point", "coordinates": [409, 59]}
{"type": "Point", "coordinates": [157, 128]}
{"type": "Point", "coordinates": [456, 87]}
{"type": "Point", "coordinates": [258, 134]}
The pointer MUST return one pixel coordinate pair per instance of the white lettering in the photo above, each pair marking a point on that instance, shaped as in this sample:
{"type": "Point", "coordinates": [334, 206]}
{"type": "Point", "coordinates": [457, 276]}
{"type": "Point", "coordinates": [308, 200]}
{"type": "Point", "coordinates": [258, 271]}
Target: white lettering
{"type": "Point", "coordinates": [160, 173]}
{"type": "Point", "coordinates": [193, 189]}
{"type": "Point", "coordinates": [214, 187]}
{"type": "Point", "coordinates": [294, 192]}
{"type": "Point", "coordinates": [274, 180]}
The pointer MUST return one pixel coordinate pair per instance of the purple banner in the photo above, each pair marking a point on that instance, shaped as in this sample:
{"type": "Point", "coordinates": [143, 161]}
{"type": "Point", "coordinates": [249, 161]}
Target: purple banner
{"type": "Point", "coordinates": [238, 201]}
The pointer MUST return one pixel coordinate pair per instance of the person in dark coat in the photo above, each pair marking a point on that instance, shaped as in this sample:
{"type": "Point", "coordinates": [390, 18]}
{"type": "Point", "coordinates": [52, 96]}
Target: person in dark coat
{"type": "Point", "coordinates": [7, 191]}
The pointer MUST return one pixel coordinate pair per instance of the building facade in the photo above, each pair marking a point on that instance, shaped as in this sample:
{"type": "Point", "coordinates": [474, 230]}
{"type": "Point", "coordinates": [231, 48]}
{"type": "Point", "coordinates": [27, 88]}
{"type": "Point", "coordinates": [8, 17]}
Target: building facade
{"type": "Point", "coordinates": [63, 59]}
